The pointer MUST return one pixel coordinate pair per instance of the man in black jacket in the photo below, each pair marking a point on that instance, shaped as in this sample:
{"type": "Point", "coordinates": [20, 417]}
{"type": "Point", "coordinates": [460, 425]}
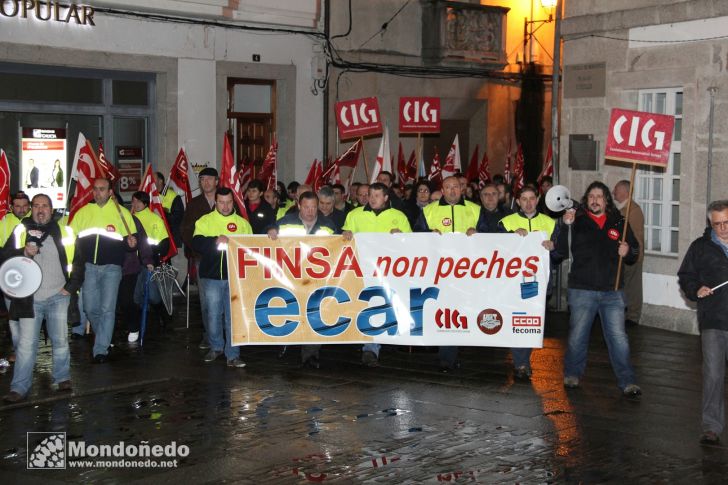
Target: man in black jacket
{"type": "Point", "coordinates": [41, 238]}
{"type": "Point", "coordinates": [597, 252]}
{"type": "Point", "coordinates": [703, 270]}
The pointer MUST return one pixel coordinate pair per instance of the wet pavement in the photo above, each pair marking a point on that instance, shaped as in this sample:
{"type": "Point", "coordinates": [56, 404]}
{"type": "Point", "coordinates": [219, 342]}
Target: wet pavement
{"type": "Point", "coordinates": [404, 422]}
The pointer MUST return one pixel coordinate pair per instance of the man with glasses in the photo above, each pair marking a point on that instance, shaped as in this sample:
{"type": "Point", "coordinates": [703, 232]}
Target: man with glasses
{"type": "Point", "coordinates": [492, 211]}
{"type": "Point", "coordinates": [702, 273]}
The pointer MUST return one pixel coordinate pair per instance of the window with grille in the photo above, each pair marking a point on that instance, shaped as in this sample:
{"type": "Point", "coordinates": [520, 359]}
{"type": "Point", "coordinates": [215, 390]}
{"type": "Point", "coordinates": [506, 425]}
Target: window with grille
{"type": "Point", "coordinates": [657, 190]}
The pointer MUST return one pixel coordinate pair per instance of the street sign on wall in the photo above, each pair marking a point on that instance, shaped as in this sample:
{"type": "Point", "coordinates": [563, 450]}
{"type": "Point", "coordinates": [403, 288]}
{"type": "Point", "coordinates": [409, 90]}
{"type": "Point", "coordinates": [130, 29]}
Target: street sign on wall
{"type": "Point", "coordinates": [639, 137]}
{"type": "Point", "coordinates": [358, 117]}
{"type": "Point", "coordinates": [419, 115]}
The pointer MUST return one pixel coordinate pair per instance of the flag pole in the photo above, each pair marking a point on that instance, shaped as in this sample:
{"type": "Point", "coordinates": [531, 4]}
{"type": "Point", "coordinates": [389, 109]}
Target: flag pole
{"type": "Point", "coordinates": [364, 157]}
{"type": "Point", "coordinates": [626, 224]}
{"type": "Point", "coordinates": [418, 149]}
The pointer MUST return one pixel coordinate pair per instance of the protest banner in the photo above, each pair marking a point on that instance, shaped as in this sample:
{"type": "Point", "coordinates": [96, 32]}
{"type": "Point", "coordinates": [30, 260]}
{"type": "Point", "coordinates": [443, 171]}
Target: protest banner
{"type": "Point", "coordinates": [402, 289]}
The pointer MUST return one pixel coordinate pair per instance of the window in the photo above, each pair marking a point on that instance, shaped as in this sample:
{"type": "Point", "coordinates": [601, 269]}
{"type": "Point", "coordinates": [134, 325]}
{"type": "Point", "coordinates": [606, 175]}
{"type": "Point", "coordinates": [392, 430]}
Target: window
{"type": "Point", "coordinates": [657, 190]}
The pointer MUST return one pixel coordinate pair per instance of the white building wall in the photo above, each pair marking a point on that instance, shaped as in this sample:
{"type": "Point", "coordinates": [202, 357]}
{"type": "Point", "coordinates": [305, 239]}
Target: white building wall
{"type": "Point", "coordinates": [191, 100]}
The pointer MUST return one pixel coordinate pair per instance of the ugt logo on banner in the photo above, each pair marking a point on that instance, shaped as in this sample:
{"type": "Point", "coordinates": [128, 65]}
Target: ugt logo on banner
{"type": "Point", "coordinates": [419, 115]}
{"type": "Point", "coordinates": [358, 117]}
{"type": "Point", "coordinates": [639, 137]}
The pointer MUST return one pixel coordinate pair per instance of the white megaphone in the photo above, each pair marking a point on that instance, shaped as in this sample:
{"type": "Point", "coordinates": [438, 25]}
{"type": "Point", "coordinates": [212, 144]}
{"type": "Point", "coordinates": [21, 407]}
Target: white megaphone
{"type": "Point", "coordinates": [558, 199]}
{"type": "Point", "coordinates": [20, 277]}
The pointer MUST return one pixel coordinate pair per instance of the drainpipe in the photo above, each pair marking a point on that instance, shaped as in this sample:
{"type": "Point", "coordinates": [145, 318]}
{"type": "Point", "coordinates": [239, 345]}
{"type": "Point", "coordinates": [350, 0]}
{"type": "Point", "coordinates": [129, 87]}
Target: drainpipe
{"type": "Point", "coordinates": [327, 21]}
{"type": "Point", "coordinates": [712, 90]}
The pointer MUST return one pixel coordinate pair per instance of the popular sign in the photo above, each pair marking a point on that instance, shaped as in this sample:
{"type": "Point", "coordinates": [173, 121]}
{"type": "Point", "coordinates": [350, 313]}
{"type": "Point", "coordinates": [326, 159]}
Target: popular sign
{"type": "Point", "coordinates": [639, 137]}
{"type": "Point", "coordinates": [358, 117]}
{"type": "Point", "coordinates": [419, 115]}
{"type": "Point", "coordinates": [403, 289]}
{"type": "Point", "coordinates": [48, 10]}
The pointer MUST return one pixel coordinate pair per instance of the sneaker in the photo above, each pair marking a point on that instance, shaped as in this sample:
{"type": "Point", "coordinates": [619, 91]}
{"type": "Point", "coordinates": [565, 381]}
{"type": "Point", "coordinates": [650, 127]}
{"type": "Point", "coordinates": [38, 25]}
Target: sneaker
{"type": "Point", "coordinates": [709, 438]}
{"type": "Point", "coordinates": [212, 355]}
{"type": "Point", "coordinates": [133, 337]}
{"type": "Point", "coordinates": [64, 386]}
{"type": "Point", "coordinates": [13, 397]}
{"type": "Point", "coordinates": [236, 363]}
{"type": "Point", "coordinates": [571, 382]}
{"type": "Point", "coordinates": [632, 390]}
{"type": "Point", "coordinates": [369, 359]}
{"type": "Point", "coordinates": [203, 345]}
{"type": "Point", "coordinates": [523, 373]}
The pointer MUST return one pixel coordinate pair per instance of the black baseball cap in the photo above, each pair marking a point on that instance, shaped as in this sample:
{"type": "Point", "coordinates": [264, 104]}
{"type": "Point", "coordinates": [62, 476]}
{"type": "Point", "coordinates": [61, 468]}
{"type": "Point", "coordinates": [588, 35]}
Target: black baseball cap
{"type": "Point", "coordinates": [209, 171]}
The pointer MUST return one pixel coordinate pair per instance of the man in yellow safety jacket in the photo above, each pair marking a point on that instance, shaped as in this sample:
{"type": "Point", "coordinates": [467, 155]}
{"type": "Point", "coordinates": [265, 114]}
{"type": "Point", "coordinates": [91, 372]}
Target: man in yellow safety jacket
{"type": "Point", "coordinates": [210, 241]}
{"type": "Point", "coordinates": [452, 213]}
{"type": "Point", "coordinates": [527, 219]}
{"type": "Point", "coordinates": [376, 216]}
{"type": "Point", "coordinates": [105, 232]}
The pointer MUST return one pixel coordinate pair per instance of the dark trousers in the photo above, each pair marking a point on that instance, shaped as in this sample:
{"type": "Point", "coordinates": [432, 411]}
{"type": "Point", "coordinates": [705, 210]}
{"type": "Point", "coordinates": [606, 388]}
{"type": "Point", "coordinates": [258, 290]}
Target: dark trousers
{"type": "Point", "coordinates": [130, 314]}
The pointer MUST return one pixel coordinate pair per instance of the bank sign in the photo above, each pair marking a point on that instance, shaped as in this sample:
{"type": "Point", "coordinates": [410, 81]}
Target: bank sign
{"type": "Point", "coordinates": [47, 11]}
{"type": "Point", "coordinates": [404, 289]}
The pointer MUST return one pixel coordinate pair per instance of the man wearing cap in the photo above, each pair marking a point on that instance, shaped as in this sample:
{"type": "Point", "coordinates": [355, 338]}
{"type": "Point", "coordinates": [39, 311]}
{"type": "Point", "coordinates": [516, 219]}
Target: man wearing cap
{"type": "Point", "coordinates": [199, 206]}
{"type": "Point", "coordinates": [210, 241]}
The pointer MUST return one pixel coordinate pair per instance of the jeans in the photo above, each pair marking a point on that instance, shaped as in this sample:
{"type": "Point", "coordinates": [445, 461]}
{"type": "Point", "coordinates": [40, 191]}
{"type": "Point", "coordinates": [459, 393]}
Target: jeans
{"type": "Point", "coordinates": [80, 329]}
{"type": "Point", "coordinates": [100, 289]}
{"type": "Point", "coordinates": [13, 324]}
{"type": "Point", "coordinates": [55, 311]}
{"type": "Point", "coordinates": [521, 357]}
{"type": "Point", "coordinates": [217, 304]}
{"type": "Point", "coordinates": [584, 306]}
{"type": "Point", "coordinates": [154, 298]}
{"type": "Point", "coordinates": [715, 352]}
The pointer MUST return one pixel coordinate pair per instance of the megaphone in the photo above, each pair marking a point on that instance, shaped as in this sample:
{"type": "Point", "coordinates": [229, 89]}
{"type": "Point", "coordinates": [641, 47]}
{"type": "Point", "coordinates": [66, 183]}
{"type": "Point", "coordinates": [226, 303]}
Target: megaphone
{"type": "Point", "coordinates": [20, 277]}
{"type": "Point", "coordinates": [558, 199]}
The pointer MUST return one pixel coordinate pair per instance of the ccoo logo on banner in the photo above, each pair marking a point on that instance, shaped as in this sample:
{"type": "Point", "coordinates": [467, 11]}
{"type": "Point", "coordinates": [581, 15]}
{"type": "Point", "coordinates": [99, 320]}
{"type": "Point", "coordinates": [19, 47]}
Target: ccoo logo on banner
{"type": "Point", "coordinates": [639, 137]}
{"type": "Point", "coordinates": [402, 289]}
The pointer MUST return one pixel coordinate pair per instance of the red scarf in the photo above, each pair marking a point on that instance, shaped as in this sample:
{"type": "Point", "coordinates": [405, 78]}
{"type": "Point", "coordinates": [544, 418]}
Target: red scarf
{"type": "Point", "coordinates": [600, 220]}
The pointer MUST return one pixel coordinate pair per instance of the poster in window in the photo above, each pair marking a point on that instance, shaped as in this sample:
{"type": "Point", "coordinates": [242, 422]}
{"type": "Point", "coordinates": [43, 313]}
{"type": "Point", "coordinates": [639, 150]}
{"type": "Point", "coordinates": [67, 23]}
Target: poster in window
{"type": "Point", "coordinates": [43, 163]}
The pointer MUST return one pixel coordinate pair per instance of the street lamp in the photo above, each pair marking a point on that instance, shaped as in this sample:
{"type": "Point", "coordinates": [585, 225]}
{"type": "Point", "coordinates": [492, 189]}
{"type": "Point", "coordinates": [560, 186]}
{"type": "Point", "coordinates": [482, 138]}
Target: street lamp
{"type": "Point", "coordinates": [529, 31]}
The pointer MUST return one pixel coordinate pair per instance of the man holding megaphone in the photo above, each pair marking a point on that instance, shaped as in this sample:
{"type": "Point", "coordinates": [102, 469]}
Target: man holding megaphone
{"type": "Point", "coordinates": [51, 246]}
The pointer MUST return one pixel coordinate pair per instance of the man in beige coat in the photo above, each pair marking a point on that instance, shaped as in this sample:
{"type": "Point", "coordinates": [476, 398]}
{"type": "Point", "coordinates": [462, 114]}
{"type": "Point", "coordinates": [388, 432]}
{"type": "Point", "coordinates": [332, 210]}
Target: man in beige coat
{"type": "Point", "coordinates": [632, 273]}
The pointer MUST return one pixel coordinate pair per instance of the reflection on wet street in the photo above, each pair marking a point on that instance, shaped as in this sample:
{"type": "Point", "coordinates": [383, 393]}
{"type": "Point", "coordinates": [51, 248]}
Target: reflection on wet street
{"type": "Point", "coordinates": [404, 422]}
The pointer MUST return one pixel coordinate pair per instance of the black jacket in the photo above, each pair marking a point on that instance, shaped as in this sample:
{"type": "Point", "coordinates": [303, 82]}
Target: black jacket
{"type": "Point", "coordinates": [594, 251]}
{"type": "Point", "coordinates": [262, 218]}
{"type": "Point", "coordinates": [489, 220]}
{"type": "Point", "coordinates": [705, 264]}
{"type": "Point", "coordinates": [23, 307]}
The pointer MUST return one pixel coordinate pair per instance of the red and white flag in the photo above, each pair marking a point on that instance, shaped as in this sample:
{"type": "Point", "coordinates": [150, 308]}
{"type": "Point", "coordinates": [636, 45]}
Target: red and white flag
{"type": "Point", "coordinates": [155, 205]}
{"type": "Point", "coordinates": [179, 177]}
{"type": "Point", "coordinates": [351, 156]}
{"type": "Point", "coordinates": [335, 177]}
{"type": "Point", "coordinates": [435, 175]}
{"type": "Point", "coordinates": [4, 184]}
{"type": "Point", "coordinates": [229, 176]}
{"type": "Point", "coordinates": [452, 161]}
{"type": "Point", "coordinates": [245, 173]}
{"type": "Point", "coordinates": [548, 167]}
{"type": "Point", "coordinates": [85, 170]}
{"type": "Point", "coordinates": [472, 173]}
{"type": "Point", "coordinates": [110, 171]}
{"type": "Point", "coordinates": [402, 167]}
{"type": "Point", "coordinates": [384, 157]}
{"type": "Point", "coordinates": [518, 171]}
{"type": "Point", "coordinates": [269, 170]}
{"type": "Point", "coordinates": [507, 168]}
{"type": "Point", "coordinates": [412, 167]}
{"type": "Point", "coordinates": [483, 171]}
{"type": "Point", "coordinates": [314, 173]}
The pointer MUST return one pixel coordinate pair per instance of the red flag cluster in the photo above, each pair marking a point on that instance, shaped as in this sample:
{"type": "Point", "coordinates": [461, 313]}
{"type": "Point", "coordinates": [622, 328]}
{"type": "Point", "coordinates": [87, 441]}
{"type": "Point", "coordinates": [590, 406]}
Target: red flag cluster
{"type": "Point", "coordinates": [149, 186]}
{"type": "Point", "coordinates": [229, 176]}
{"type": "Point", "coordinates": [4, 184]}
